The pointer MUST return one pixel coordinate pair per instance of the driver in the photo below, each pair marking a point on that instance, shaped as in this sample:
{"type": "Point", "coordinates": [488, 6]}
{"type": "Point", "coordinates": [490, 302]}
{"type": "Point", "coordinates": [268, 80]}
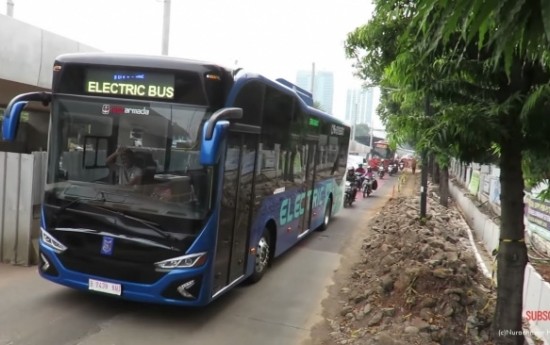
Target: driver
{"type": "Point", "coordinates": [128, 173]}
{"type": "Point", "coordinates": [360, 169]}
{"type": "Point", "coordinates": [350, 175]}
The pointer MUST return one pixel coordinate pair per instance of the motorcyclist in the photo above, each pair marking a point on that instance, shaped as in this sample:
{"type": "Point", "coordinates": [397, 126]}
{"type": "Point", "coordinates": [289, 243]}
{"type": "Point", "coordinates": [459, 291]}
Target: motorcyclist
{"type": "Point", "coordinates": [350, 176]}
{"type": "Point", "coordinates": [368, 183]}
{"type": "Point", "coordinates": [369, 173]}
{"type": "Point", "coordinates": [360, 169]}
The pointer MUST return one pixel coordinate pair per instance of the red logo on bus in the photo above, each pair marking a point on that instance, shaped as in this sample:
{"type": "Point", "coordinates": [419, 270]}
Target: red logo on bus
{"type": "Point", "coordinates": [112, 109]}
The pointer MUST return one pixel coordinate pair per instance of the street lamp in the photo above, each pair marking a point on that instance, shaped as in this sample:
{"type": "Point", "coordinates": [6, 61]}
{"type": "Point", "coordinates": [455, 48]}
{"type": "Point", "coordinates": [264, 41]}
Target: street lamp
{"type": "Point", "coordinates": [9, 8]}
{"type": "Point", "coordinates": [166, 27]}
{"type": "Point", "coordinates": [354, 120]}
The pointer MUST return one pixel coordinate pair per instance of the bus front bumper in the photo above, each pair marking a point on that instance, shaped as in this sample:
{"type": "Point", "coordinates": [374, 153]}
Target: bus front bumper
{"type": "Point", "coordinates": [177, 287]}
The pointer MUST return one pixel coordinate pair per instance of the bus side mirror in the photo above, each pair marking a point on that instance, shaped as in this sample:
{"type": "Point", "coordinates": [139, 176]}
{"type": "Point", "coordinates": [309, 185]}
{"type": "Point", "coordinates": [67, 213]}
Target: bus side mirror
{"type": "Point", "coordinates": [213, 134]}
{"type": "Point", "coordinates": [210, 149]}
{"type": "Point", "coordinates": [10, 124]}
{"type": "Point", "coordinates": [12, 116]}
{"type": "Point", "coordinates": [222, 114]}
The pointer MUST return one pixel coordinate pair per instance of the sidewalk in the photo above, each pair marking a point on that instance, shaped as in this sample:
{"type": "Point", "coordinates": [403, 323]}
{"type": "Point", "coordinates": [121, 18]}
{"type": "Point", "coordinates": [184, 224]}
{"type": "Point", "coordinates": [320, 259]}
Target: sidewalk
{"type": "Point", "coordinates": [536, 291]}
{"type": "Point", "coordinates": [414, 283]}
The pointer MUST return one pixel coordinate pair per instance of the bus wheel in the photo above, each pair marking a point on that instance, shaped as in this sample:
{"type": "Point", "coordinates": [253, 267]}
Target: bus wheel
{"type": "Point", "coordinates": [328, 213]}
{"type": "Point", "coordinates": [262, 257]}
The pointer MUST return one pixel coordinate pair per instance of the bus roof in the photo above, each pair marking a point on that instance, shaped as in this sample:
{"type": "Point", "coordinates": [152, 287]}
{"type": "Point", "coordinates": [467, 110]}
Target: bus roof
{"type": "Point", "coordinates": [137, 60]}
{"type": "Point", "coordinates": [286, 87]}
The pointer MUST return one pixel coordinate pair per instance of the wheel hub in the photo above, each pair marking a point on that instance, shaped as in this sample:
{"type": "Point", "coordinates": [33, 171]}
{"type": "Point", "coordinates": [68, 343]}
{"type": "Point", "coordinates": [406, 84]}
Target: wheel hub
{"type": "Point", "coordinates": [262, 255]}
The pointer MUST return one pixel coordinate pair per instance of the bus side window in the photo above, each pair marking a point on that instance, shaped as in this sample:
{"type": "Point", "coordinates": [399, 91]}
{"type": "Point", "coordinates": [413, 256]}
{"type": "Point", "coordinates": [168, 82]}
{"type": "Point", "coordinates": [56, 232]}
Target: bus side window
{"type": "Point", "coordinates": [250, 99]}
{"type": "Point", "coordinates": [276, 150]}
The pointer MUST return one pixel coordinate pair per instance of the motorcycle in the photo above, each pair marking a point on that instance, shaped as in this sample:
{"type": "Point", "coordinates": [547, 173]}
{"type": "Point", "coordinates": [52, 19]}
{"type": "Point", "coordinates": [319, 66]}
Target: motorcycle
{"type": "Point", "coordinates": [381, 172]}
{"type": "Point", "coordinates": [401, 166]}
{"type": "Point", "coordinates": [392, 169]}
{"type": "Point", "coordinates": [350, 193]}
{"type": "Point", "coordinates": [359, 179]}
{"type": "Point", "coordinates": [369, 185]}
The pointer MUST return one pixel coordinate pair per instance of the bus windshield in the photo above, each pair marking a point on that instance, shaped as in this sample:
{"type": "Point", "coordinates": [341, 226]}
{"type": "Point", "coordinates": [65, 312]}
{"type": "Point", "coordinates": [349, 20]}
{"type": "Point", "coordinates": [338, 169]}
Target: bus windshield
{"type": "Point", "coordinates": [129, 155]}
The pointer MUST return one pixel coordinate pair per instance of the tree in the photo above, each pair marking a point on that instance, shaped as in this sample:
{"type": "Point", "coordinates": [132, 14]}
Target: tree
{"type": "Point", "coordinates": [318, 105]}
{"type": "Point", "coordinates": [514, 36]}
{"type": "Point", "coordinates": [362, 130]}
{"type": "Point", "coordinates": [485, 93]}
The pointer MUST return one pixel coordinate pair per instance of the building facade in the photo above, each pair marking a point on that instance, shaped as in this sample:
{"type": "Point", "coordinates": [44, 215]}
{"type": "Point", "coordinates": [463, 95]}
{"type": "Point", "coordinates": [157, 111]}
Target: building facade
{"type": "Point", "coordinates": [360, 106]}
{"type": "Point", "coordinates": [323, 87]}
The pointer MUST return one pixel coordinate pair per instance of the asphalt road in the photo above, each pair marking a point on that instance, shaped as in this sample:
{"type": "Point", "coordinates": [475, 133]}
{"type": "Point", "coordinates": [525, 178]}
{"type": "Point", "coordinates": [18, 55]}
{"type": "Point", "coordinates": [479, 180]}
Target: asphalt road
{"type": "Point", "coordinates": [281, 309]}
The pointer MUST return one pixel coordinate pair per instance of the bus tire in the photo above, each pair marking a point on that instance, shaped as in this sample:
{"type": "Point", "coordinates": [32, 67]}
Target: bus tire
{"type": "Point", "coordinates": [263, 257]}
{"type": "Point", "coordinates": [327, 216]}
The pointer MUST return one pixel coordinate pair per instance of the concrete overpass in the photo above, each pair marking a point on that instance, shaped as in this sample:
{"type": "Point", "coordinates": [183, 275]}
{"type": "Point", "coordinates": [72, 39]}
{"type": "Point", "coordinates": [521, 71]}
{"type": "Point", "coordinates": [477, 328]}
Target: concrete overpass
{"type": "Point", "coordinates": [27, 54]}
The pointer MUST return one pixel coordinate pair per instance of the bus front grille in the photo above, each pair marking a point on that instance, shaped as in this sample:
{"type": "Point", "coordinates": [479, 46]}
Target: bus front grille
{"type": "Point", "coordinates": [111, 268]}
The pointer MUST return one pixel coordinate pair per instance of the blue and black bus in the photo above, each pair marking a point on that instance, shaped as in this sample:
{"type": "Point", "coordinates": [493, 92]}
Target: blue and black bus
{"type": "Point", "coordinates": [172, 180]}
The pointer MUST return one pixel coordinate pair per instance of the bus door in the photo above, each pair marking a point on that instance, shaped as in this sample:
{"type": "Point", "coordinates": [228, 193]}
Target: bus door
{"type": "Point", "coordinates": [236, 208]}
{"type": "Point", "coordinates": [310, 153]}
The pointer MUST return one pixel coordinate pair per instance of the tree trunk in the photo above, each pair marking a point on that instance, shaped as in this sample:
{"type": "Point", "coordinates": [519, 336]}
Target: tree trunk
{"type": "Point", "coordinates": [430, 166]}
{"type": "Point", "coordinates": [512, 251]}
{"type": "Point", "coordinates": [444, 186]}
{"type": "Point", "coordinates": [435, 174]}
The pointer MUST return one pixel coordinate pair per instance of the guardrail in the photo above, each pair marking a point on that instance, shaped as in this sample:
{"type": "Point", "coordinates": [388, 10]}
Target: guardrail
{"type": "Point", "coordinates": [22, 178]}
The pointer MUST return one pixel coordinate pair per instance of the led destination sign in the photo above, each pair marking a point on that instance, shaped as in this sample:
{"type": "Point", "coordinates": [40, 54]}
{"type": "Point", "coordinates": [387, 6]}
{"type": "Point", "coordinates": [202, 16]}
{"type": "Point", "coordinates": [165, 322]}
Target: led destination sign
{"type": "Point", "coordinates": [135, 84]}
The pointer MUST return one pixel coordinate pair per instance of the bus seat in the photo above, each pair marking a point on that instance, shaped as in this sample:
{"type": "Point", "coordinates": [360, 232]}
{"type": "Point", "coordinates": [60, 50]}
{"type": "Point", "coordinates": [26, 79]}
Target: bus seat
{"type": "Point", "coordinates": [145, 161]}
{"type": "Point", "coordinates": [182, 189]}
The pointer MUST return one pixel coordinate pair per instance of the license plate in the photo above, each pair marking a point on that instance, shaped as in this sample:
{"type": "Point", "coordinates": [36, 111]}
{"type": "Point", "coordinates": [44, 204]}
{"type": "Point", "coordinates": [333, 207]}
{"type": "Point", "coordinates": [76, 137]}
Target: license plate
{"type": "Point", "coordinates": [105, 287]}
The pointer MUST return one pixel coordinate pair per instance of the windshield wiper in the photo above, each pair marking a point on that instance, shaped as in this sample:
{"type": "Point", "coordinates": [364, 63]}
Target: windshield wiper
{"type": "Point", "coordinates": [101, 197]}
{"type": "Point", "coordinates": [151, 225]}
{"type": "Point", "coordinates": [77, 201]}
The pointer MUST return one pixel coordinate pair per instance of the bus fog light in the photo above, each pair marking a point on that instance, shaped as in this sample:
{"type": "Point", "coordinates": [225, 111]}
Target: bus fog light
{"type": "Point", "coordinates": [182, 289]}
{"type": "Point", "coordinates": [46, 264]}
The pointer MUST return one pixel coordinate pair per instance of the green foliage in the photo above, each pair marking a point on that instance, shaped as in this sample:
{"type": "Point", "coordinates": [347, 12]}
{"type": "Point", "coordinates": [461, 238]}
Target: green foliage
{"type": "Point", "coordinates": [513, 27]}
{"type": "Point", "coordinates": [454, 53]}
{"type": "Point", "coordinates": [467, 79]}
{"type": "Point", "coordinates": [317, 105]}
{"type": "Point", "coordinates": [362, 130]}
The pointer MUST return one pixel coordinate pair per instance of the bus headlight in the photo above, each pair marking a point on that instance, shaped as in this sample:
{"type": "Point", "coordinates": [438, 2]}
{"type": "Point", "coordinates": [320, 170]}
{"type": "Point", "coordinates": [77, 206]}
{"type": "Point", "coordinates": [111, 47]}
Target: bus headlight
{"type": "Point", "coordinates": [186, 261]}
{"type": "Point", "coordinates": [51, 242]}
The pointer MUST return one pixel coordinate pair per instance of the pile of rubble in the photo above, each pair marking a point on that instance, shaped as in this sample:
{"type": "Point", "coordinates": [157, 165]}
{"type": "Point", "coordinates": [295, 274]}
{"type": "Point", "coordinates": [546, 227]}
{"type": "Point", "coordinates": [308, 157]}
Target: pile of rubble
{"type": "Point", "coordinates": [418, 283]}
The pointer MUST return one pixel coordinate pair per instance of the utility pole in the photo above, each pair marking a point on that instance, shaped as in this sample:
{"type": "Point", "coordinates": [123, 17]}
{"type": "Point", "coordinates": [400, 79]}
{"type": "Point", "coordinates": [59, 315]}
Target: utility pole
{"type": "Point", "coordinates": [371, 139]}
{"type": "Point", "coordinates": [9, 8]}
{"type": "Point", "coordinates": [312, 77]}
{"type": "Point", "coordinates": [166, 27]}
{"type": "Point", "coordinates": [424, 171]}
{"type": "Point", "coordinates": [354, 122]}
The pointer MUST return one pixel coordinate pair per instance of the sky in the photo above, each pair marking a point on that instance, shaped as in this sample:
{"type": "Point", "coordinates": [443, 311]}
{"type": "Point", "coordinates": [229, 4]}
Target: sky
{"type": "Point", "coordinates": [275, 39]}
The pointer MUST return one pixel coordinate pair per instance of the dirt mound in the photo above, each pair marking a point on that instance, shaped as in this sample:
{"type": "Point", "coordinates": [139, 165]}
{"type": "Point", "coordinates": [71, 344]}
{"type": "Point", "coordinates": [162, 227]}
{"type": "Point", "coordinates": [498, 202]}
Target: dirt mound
{"type": "Point", "coordinates": [418, 282]}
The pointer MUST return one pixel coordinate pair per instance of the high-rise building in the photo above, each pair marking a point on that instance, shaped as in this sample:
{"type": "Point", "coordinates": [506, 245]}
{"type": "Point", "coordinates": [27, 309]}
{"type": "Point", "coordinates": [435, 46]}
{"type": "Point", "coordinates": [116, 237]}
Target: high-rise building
{"type": "Point", "coordinates": [360, 106]}
{"type": "Point", "coordinates": [323, 87]}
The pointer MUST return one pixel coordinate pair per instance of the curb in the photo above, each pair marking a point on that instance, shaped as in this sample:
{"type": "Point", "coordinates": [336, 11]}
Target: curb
{"type": "Point", "coordinates": [456, 192]}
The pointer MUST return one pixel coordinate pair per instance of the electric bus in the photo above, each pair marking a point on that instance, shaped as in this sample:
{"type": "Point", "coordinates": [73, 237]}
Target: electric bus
{"type": "Point", "coordinates": [172, 180]}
